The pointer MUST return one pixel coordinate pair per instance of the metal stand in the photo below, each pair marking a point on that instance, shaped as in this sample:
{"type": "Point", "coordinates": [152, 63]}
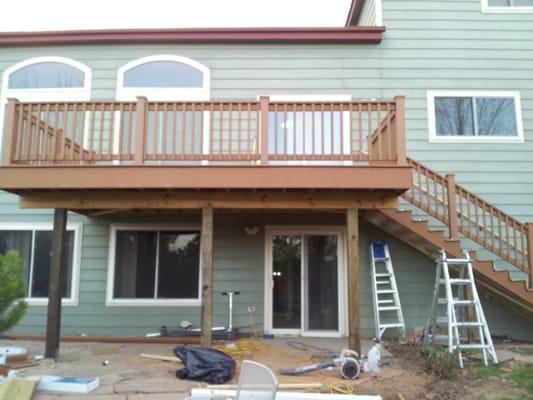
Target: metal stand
{"type": "Point", "coordinates": [230, 309]}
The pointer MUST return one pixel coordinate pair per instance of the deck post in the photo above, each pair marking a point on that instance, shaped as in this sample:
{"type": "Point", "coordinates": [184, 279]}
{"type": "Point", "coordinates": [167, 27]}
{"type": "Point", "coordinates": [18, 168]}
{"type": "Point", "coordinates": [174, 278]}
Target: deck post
{"type": "Point", "coordinates": [354, 307]}
{"type": "Point", "coordinates": [140, 130]}
{"type": "Point", "coordinates": [9, 131]}
{"type": "Point", "coordinates": [400, 130]}
{"type": "Point", "coordinates": [530, 252]}
{"type": "Point", "coordinates": [263, 133]}
{"type": "Point", "coordinates": [452, 207]}
{"type": "Point", "coordinates": [206, 246]}
{"type": "Point", "coordinates": [53, 324]}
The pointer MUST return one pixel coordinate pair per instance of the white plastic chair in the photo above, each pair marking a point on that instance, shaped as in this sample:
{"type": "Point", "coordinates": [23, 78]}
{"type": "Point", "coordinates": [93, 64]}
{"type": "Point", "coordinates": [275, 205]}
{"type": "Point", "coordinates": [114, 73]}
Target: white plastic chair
{"type": "Point", "coordinates": [256, 382]}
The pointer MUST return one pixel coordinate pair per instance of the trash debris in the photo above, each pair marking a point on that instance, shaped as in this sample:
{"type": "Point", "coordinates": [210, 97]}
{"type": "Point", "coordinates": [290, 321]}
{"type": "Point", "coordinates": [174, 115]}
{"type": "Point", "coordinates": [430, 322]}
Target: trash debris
{"type": "Point", "coordinates": [348, 362]}
{"type": "Point", "coordinates": [67, 384]}
{"type": "Point", "coordinates": [105, 363]}
{"type": "Point", "coordinates": [155, 334]}
{"type": "Point", "coordinates": [374, 356]}
{"type": "Point", "coordinates": [207, 365]}
{"type": "Point", "coordinates": [13, 354]}
{"type": "Point", "coordinates": [38, 357]}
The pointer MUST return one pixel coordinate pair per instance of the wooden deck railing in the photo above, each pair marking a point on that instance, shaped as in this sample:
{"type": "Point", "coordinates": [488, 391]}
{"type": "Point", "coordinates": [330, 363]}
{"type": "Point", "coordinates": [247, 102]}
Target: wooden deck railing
{"type": "Point", "coordinates": [257, 132]}
{"type": "Point", "coordinates": [469, 215]}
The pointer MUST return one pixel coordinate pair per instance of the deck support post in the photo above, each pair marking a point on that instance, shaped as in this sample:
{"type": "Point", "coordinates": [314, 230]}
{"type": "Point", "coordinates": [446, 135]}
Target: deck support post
{"type": "Point", "coordinates": [400, 130]}
{"type": "Point", "coordinates": [9, 131]}
{"type": "Point", "coordinates": [140, 130]}
{"type": "Point", "coordinates": [354, 307]}
{"type": "Point", "coordinates": [452, 207]}
{"type": "Point", "coordinates": [263, 133]}
{"type": "Point", "coordinates": [53, 324]}
{"type": "Point", "coordinates": [206, 246]}
{"type": "Point", "coordinates": [530, 253]}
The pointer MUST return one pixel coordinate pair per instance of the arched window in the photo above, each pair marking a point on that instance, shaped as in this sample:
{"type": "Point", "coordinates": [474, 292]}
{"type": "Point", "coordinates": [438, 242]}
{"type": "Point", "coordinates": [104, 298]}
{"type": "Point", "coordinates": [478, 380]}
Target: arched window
{"type": "Point", "coordinates": [45, 79]}
{"type": "Point", "coordinates": [163, 77]}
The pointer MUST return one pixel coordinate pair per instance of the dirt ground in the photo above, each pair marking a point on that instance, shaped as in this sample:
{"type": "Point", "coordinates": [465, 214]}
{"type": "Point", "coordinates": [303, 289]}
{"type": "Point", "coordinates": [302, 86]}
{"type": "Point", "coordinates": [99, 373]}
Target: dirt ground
{"type": "Point", "coordinates": [126, 376]}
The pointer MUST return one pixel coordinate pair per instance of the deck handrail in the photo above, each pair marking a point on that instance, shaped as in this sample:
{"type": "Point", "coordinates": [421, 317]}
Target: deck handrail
{"type": "Point", "coordinates": [258, 132]}
{"type": "Point", "coordinates": [467, 214]}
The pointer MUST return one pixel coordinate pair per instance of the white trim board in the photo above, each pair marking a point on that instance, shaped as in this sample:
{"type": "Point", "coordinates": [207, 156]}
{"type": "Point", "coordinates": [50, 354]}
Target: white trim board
{"type": "Point", "coordinates": [485, 8]}
{"type": "Point", "coordinates": [433, 138]}
{"type": "Point", "coordinates": [77, 227]}
{"type": "Point", "coordinates": [112, 302]}
{"type": "Point", "coordinates": [342, 278]}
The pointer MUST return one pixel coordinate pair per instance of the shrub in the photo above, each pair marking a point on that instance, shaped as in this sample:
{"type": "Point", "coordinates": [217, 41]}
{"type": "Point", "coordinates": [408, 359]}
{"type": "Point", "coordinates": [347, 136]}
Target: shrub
{"type": "Point", "coordinates": [12, 308]}
{"type": "Point", "coordinates": [440, 361]}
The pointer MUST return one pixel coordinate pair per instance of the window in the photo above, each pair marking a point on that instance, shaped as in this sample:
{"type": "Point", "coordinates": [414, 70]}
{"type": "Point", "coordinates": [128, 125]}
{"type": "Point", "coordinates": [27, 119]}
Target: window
{"type": "Point", "coordinates": [151, 266]}
{"type": "Point", "coordinates": [458, 116]}
{"type": "Point", "coordinates": [45, 79]}
{"type": "Point", "coordinates": [164, 77]}
{"type": "Point", "coordinates": [43, 75]}
{"type": "Point", "coordinates": [34, 246]}
{"type": "Point", "coordinates": [512, 6]}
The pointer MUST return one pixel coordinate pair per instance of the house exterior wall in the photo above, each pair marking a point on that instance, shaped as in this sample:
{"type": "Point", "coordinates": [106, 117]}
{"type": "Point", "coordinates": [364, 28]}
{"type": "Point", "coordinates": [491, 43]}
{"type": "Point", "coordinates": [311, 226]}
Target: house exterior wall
{"type": "Point", "coordinates": [239, 266]}
{"type": "Point", "coordinates": [428, 45]}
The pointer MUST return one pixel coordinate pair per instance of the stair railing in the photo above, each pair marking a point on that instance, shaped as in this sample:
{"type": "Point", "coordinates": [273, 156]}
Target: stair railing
{"type": "Point", "coordinates": [469, 215]}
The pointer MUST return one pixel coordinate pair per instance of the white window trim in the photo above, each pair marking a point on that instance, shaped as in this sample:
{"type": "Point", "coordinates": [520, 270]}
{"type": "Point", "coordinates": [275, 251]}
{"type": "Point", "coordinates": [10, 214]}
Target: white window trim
{"type": "Point", "coordinates": [379, 12]}
{"type": "Point", "coordinates": [112, 302]}
{"type": "Point", "coordinates": [163, 94]}
{"type": "Point", "coordinates": [73, 300]}
{"type": "Point", "coordinates": [485, 8]}
{"type": "Point", "coordinates": [434, 138]}
{"type": "Point", "coordinates": [271, 230]}
{"type": "Point", "coordinates": [43, 94]}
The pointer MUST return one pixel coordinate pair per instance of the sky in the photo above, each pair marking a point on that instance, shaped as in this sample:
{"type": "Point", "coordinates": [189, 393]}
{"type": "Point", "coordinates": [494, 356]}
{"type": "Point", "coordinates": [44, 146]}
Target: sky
{"type": "Point", "coordinates": [46, 15]}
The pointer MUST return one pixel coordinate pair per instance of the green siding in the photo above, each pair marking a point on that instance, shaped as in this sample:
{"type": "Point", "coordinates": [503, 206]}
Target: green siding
{"type": "Point", "coordinates": [239, 266]}
{"type": "Point", "coordinates": [429, 44]}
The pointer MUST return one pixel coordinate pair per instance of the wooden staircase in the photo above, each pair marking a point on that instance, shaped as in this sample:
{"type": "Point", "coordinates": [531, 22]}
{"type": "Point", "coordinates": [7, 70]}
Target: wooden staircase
{"type": "Point", "coordinates": [465, 219]}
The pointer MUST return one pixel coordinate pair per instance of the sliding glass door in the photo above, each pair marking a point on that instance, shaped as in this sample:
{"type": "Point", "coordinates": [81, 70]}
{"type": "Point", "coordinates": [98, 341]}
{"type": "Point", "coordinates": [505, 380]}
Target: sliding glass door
{"type": "Point", "coordinates": [306, 270]}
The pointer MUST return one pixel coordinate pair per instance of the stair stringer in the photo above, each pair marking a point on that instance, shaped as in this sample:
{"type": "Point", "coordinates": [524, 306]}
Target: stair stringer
{"type": "Point", "coordinates": [418, 234]}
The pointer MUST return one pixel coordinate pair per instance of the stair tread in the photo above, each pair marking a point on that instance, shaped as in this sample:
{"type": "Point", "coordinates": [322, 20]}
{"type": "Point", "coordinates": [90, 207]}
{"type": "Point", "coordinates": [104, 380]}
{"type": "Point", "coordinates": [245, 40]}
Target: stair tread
{"type": "Point", "coordinates": [392, 308]}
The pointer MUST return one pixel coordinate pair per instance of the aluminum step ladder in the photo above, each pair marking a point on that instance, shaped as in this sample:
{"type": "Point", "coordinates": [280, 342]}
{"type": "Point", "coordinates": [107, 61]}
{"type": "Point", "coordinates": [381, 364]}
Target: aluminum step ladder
{"type": "Point", "coordinates": [461, 311]}
{"type": "Point", "coordinates": [387, 308]}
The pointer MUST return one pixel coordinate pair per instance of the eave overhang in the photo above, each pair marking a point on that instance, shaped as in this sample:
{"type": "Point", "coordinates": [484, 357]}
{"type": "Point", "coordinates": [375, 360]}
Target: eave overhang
{"type": "Point", "coordinates": [348, 34]}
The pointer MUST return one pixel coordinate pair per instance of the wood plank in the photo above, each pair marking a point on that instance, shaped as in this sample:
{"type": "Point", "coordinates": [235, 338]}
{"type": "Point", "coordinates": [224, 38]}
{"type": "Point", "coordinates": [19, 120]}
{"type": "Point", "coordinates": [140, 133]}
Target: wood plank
{"type": "Point", "coordinates": [110, 339]}
{"type": "Point", "coordinates": [127, 200]}
{"type": "Point", "coordinates": [206, 245]}
{"type": "Point", "coordinates": [53, 325]}
{"type": "Point", "coordinates": [206, 177]}
{"type": "Point", "coordinates": [354, 306]}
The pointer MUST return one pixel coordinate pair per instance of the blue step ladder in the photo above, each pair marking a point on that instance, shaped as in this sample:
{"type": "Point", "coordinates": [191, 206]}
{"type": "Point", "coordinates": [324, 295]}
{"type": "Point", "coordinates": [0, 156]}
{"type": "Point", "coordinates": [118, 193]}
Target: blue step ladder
{"type": "Point", "coordinates": [387, 308]}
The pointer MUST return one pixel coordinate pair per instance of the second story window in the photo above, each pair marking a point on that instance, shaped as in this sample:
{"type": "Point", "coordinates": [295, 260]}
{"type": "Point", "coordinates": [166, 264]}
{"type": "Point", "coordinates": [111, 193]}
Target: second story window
{"type": "Point", "coordinates": [507, 5]}
{"type": "Point", "coordinates": [164, 77]}
{"type": "Point", "coordinates": [474, 116]}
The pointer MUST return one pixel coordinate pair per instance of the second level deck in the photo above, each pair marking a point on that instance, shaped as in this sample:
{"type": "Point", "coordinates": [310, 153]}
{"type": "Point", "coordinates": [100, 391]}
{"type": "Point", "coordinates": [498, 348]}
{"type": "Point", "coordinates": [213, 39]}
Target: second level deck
{"type": "Point", "coordinates": [233, 144]}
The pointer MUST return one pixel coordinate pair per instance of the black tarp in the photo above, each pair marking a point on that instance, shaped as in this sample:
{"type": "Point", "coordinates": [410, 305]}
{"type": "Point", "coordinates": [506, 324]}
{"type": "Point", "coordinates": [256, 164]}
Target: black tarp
{"type": "Point", "coordinates": [206, 365]}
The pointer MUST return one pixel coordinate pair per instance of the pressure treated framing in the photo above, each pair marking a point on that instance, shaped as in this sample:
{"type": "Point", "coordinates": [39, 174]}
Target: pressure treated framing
{"type": "Point", "coordinates": [89, 202]}
{"type": "Point", "coordinates": [354, 297]}
{"type": "Point", "coordinates": [206, 246]}
{"type": "Point", "coordinates": [53, 325]}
